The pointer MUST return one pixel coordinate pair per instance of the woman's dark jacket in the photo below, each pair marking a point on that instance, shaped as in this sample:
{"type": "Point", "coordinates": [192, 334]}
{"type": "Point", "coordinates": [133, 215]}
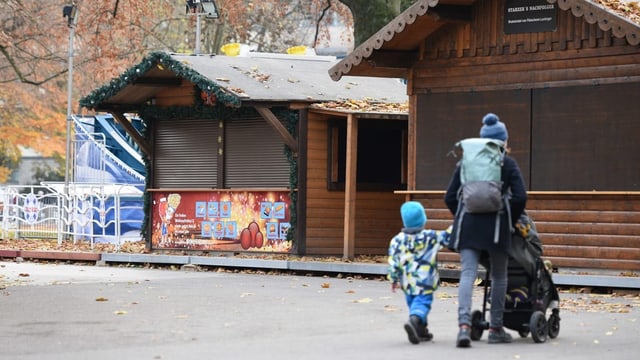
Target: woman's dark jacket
{"type": "Point", "coordinates": [477, 230]}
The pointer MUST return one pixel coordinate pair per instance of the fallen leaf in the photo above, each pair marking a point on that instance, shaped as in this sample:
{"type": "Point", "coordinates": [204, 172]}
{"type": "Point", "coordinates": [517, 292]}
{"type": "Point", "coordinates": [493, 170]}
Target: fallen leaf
{"type": "Point", "coordinates": [24, 275]}
{"type": "Point", "coordinates": [101, 299]}
{"type": "Point", "coordinates": [363, 301]}
{"type": "Point", "coordinates": [325, 285]}
{"type": "Point", "coordinates": [120, 312]}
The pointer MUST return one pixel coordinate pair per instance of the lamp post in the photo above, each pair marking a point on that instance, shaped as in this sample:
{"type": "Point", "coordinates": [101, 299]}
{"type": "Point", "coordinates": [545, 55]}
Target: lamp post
{"type": "Point", "coordinates": [199, 8]}
{"type": "Point", "coordinates": [70, 12]}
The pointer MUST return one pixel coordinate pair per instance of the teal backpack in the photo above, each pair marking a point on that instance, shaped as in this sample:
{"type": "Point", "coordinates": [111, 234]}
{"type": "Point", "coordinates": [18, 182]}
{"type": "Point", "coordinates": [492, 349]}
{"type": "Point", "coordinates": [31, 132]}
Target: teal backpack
{"type": "Point", "coordinates": [481, 174]}
{"type": "Point", "coordinates": [481, 182]}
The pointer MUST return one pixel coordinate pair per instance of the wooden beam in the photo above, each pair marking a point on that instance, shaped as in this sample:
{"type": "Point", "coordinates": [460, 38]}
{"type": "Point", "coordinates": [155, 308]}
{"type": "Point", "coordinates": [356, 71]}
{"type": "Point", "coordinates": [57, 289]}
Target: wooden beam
{"type": "Point", "coordinates": [350, 187]}
{"type": "Point", "coordinates": [451, 13]}
{"type": "Point", "coordinates": [277, 125]}
{"type": "Point", "coordinates": [126, 124]}
{"type": "Point", "coordinates": [393, 59]}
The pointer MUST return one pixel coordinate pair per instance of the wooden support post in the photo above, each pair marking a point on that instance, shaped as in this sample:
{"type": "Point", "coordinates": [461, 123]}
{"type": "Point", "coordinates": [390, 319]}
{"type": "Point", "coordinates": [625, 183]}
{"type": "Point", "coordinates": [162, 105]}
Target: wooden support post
{"type": "Point", "coordinates": [277, 125]}
{"type": "Point", "coordinates": [350, 188]}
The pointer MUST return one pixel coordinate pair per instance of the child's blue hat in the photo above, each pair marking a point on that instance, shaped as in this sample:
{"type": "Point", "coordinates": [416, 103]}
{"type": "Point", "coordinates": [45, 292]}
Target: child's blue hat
{"type": "Point", "coordinates": [413, 215]}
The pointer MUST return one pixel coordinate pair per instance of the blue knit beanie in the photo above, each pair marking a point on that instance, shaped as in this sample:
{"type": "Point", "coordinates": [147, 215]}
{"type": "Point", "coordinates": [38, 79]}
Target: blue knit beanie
{"type": "Point", "coordinates": [413, 215]}
{"type": "Point", "coordinates": [493, 128]}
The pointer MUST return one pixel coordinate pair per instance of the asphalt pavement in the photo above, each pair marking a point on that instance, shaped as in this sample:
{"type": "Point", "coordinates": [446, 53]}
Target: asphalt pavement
{"type": "Point", "coordinates": [56, 311]}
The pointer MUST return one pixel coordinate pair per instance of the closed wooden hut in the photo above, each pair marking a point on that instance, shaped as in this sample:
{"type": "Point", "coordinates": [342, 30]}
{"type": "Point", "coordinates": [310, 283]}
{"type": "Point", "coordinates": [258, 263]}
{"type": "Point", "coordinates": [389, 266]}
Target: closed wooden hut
{"type": "Point", "coordinates": [239, 161]}
{"type": "Point", "coordinates": [563, 75]}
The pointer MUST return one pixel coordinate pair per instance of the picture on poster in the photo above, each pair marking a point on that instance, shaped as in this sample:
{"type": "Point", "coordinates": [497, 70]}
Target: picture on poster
{"type": "Point", "coordinates": [221, 220]}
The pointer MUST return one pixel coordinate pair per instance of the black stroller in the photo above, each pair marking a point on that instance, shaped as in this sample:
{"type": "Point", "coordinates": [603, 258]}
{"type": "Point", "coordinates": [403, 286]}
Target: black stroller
{"type": "Point", "coordinates": [531, 294]}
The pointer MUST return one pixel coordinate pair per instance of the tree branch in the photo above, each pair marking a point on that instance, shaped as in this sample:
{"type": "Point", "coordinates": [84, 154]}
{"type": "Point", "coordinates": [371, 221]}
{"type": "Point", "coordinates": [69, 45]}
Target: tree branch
{"type": "Point", "coordinates": [324, 11]}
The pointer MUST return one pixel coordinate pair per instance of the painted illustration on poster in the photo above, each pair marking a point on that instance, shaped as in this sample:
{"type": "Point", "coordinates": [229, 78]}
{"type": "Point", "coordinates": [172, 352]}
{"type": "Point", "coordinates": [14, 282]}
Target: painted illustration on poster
{"type": "Point", "coordinates": [222, 220]}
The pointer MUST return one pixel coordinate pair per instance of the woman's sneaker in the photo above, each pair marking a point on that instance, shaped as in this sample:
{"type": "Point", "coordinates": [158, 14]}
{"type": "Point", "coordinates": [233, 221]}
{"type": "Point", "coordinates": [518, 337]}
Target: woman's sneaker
{"type": "Point", "coordinates": [498, 336]}
{"type": "Point", "coordinates": [464, 337]}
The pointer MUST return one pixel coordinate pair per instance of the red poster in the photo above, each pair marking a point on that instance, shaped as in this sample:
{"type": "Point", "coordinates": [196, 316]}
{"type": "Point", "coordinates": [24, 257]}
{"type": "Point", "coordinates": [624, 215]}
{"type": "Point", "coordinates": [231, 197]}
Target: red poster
{"type": "Point", "coordinates": [221, 221]}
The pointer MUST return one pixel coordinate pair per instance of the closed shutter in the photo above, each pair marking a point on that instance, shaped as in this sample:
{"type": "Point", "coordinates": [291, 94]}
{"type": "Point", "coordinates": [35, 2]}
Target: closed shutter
{"type": "Point", "coordinates": [254, 155]}
{"type": "Point", "coordinates": [185, 154]}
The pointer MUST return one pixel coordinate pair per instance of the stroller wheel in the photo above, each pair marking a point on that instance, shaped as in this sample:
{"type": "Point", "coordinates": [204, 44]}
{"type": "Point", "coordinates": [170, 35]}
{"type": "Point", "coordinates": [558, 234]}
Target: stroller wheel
{"type": "Point", "coordinates": [538, 327]}
{"type": "Point", "coordinates": [523, 333]}
{"type": "Point", "coordinates": [554, 324]}
{"type": "Point", "coordinates": [477, 325]}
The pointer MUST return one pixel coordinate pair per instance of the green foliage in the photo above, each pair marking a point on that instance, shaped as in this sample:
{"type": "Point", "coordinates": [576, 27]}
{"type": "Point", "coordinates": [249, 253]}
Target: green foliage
{"type": "Point", "coordinates": [369, 16]}
{"type": "Point", "coordinates": [46, 172]}
{"type": "Point", "coordinates": [9, 159]}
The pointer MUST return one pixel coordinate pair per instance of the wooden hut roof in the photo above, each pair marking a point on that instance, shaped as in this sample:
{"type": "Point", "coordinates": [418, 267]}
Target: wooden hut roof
{"type": "Point", "coordinates": [256, 78]}
{"type": "Point", "coordinates": [395, 48]}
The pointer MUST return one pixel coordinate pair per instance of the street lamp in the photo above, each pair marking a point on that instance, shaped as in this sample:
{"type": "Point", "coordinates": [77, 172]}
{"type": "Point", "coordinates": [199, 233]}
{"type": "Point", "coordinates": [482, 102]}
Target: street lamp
{"type": "Point", "coordinates": [70, 12]}
{"type": "Point", "coordinates": [199, 8]}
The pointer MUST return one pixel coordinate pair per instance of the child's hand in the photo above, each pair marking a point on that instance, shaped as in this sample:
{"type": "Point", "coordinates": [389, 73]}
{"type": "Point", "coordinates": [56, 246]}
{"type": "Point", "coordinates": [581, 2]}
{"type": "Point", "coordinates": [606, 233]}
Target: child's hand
{"type": "Point", "coordinates": [395, 286]}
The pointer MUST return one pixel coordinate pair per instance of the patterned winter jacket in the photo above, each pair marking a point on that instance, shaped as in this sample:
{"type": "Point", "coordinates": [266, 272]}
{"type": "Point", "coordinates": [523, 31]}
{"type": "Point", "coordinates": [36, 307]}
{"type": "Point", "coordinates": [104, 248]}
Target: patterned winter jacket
{"type": "Point", "coordinates": [412, 260]}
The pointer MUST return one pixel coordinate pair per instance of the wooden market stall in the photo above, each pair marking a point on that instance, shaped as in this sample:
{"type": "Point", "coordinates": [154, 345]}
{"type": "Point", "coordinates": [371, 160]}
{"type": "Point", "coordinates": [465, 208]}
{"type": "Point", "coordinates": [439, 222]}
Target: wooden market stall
{"type": "Point", "coordinates": [562, 75]}
{"type": "Point", "coordinates": [230, 164]}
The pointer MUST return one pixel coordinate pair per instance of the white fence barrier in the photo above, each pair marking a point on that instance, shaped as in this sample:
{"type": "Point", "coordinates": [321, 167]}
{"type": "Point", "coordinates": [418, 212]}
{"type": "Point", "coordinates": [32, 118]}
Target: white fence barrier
{"type": "Point", "coordinates": [78, 212]}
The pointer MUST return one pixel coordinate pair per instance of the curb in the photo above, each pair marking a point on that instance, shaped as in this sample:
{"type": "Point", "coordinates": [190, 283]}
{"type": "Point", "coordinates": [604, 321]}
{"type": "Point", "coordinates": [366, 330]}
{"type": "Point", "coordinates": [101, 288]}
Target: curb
{"type": "Point", "coordinates": [579, 280]}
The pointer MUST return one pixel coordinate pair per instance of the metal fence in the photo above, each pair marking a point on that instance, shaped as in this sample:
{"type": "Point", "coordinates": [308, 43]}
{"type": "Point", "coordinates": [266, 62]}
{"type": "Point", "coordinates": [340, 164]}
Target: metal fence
{"type": "Point", "coordinates": [110, 213]}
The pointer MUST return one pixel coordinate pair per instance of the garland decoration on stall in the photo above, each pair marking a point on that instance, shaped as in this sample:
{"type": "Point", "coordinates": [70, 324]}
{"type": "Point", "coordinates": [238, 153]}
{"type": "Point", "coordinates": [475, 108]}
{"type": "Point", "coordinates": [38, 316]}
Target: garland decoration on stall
{"type": "Point", "coordinates": [162, 61]}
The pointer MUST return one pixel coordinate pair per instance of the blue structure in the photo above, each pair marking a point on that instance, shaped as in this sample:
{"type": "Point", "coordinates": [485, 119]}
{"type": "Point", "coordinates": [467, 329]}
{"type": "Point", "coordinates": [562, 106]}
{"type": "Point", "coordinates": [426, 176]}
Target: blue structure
{"type": "Point", "coordinates": [106, 154]}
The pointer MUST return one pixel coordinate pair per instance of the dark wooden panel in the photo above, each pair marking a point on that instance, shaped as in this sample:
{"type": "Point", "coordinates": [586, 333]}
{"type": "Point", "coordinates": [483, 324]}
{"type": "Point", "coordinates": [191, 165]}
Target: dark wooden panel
{"type": "Point", "coordinates": [578, 230]}
{"type": "Point", "coordinates": [631, 241]}
{"type": "Point", "coordinates": [588, 228]}
{"type": "Point", "coordinates": [586, 216]}
{"type": "Point", "coordinates": [447, 118]}
{"type": "Point", "coordinates": [485, 36]}
{"type": "Point", "coordinates": [585, 138]}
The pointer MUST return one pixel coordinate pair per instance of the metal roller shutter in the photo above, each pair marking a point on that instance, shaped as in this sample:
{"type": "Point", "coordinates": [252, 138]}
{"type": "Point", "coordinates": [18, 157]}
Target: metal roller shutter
{"type": "Point", "coordinates": [185, 153]}
{"type": "Point", "coordinates": [254, 155]}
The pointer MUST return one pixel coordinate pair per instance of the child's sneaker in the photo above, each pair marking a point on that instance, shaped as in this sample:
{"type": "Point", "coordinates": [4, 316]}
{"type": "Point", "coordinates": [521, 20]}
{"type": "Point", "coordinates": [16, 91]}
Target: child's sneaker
{"type": "Point", "coordinates": [498, 336]}
{"type": "Point", "coordinates": [464, 337]}
{"type": "Point", "coordinates": [416, 331]}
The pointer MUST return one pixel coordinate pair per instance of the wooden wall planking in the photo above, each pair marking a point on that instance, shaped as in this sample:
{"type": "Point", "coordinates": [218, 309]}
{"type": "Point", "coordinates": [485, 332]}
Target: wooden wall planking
{"type": "Point", "coordinates": [579, 230]}
{"type": "Point", "coordinates": [377, 213]}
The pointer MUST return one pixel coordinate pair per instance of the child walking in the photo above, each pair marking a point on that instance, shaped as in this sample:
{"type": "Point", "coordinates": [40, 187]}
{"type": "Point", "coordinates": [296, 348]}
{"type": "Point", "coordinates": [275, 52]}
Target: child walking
{"type": "Point", "coordinates": [413, 267]}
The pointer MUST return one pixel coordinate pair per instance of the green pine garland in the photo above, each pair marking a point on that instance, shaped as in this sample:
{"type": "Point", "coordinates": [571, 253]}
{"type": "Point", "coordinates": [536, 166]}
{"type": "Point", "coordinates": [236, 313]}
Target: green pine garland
{"type": "Point", "coordinates": [95, 99]}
